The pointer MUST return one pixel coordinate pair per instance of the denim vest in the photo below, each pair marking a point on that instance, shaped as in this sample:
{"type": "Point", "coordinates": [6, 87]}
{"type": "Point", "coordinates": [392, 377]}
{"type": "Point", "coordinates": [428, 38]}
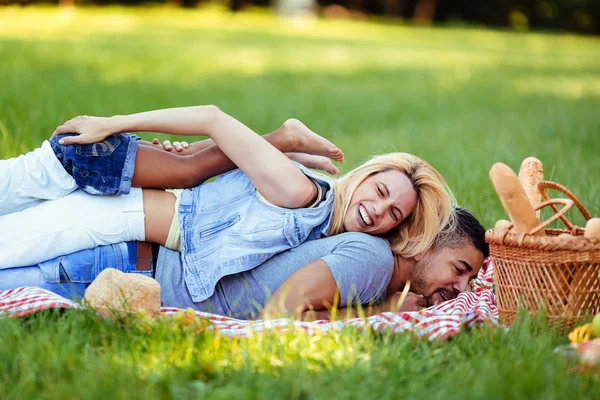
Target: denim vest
{"type": "Point", "coordinates": [227, 228]}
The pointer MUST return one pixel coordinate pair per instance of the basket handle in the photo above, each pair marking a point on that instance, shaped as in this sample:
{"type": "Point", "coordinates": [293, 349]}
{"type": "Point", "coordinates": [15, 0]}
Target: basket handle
{"type": "Point", "coordinates": [568, 204]}
{"type": "Point", "coordinates": [542, 186]}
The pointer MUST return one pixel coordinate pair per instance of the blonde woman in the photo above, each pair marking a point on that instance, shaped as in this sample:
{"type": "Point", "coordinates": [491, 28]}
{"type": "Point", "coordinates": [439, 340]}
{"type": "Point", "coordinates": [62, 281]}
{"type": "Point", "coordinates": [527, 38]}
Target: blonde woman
{"type": "Point", "coordinates": [223, 227]}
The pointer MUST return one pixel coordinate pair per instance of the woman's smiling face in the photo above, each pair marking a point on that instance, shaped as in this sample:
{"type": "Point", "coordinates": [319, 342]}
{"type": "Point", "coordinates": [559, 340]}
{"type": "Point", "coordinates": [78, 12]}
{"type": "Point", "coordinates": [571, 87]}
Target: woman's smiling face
{"type": "Point", "coordinates": [380, 203]}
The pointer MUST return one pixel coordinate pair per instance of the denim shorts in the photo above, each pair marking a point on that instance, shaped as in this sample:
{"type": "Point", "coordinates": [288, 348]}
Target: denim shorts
{"type": "Point", "coordinates": [104, 168]}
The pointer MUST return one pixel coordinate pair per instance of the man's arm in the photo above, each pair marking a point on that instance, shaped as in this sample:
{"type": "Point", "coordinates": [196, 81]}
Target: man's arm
{"type": "Point", "coordinates": [311, 293]}
{"type": "Point", "coordinates": [310, 287]}
{"type": "Point", "coordinates": [398, 302]}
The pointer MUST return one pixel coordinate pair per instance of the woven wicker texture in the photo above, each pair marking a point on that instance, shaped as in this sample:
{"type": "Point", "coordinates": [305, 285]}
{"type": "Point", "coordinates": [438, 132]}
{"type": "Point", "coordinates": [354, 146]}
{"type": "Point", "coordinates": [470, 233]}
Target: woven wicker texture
{"type": "Point", "coordinates": [560, 274]}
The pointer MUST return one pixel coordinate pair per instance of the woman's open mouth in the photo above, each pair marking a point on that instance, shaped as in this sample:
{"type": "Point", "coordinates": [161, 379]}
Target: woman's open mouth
{"type": "Point", "coordinates": [363, 216]}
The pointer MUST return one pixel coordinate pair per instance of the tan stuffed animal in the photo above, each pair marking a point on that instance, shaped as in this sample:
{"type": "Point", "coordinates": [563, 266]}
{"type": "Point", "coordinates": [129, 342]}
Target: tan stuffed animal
{"type": "Point", "coordinates": [113, 292]}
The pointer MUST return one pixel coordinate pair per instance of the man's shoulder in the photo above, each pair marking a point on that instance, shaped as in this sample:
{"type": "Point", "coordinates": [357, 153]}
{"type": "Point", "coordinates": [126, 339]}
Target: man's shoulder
{"type": "Point", "coordinates": [366, 241]}
{"type": "Point", "coordinates": [354, 250]}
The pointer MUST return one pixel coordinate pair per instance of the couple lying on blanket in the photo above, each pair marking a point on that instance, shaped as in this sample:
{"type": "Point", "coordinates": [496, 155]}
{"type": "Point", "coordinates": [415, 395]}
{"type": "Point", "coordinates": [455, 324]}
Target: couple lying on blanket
{"type": "Point", "coordinates": [270, 236]}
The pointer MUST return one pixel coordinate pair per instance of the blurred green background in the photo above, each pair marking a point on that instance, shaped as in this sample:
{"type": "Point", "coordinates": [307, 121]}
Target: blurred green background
{"type": "Point", "coordinates": [461, 98]}
{"type": "Point", "coordinates": [572, 15]}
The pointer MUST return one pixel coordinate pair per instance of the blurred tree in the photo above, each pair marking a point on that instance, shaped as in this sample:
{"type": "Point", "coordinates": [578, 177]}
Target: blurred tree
{"type": "Point", "coordinates": [236, 5]}
{"type": "Point", "coordinates": [391, 8]}
{"type": "Point", "coordinates": [570, 15]}
{"type": "Point", "coordinates": [425, 11]}
{"type": "Point", "coordinates": [294, 8]}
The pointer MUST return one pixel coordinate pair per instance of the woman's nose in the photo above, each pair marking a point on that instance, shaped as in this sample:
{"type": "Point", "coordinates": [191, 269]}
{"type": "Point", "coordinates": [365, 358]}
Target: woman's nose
{"type": "Point", "coordinates": [377, 208]}
{"type": "Point", "coordinates": [381, 206]}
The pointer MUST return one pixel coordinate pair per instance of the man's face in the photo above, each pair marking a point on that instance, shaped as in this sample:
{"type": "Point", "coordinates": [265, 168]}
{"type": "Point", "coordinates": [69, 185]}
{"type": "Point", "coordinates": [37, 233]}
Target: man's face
{"type": "Point", "coordinates": [442, 274]}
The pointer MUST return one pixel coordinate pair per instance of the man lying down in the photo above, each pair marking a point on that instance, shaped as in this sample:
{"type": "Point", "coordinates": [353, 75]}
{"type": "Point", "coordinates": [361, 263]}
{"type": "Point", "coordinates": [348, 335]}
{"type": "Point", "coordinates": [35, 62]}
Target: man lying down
{"type": "Point", "coordinates": [348, 269]}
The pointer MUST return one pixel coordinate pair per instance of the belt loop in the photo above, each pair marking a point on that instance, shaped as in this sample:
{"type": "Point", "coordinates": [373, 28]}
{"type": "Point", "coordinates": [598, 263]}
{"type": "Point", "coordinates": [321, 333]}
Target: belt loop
{"type": "Point", "coordinates": [185, 201]}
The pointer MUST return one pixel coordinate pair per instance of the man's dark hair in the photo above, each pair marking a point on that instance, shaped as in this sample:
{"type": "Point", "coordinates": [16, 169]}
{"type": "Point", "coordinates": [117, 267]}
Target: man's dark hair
{"type": "Point", "coordinates": [464, 228]}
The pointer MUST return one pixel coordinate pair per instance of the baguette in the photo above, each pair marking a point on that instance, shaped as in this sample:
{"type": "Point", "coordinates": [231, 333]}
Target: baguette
{"type": "Point", "coordinates": [514, 200]}
{"type": "Point", "coordinates": [592, 228]}
{"type": "Point", "coordinates": [530, 174]}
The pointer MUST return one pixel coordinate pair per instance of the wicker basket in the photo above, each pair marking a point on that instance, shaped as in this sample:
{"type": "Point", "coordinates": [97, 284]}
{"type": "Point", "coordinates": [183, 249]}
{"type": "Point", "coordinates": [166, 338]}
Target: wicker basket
{"type": "Point", "coordinates": [558, 274]}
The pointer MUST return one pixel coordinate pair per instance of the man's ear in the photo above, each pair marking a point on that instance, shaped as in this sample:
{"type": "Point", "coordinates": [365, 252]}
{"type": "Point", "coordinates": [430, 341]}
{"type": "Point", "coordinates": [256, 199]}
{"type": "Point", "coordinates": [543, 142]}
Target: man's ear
{"type": "Point", "coordinates": [419, 256]}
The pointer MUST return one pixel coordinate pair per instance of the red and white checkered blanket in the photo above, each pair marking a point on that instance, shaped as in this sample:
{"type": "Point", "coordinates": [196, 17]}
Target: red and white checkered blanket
{"type": "Point", "coordinates": [437, 322]}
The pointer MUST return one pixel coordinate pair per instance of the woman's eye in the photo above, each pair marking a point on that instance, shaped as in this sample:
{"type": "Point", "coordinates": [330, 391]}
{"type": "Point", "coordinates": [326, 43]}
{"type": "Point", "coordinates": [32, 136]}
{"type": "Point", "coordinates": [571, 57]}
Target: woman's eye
{"type": "Point", "coordinates": [379, 191]}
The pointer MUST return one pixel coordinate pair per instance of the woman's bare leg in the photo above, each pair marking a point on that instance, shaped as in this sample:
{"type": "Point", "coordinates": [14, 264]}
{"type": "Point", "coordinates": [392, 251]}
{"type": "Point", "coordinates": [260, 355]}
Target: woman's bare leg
{"type": "Point", "coordinates": [157, 168]}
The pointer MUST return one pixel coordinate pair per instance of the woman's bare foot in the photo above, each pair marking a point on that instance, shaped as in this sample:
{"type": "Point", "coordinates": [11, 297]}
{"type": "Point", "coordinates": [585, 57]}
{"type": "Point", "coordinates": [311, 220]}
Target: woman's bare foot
{"type": "Point", "coordinates": [299, 139]}
{"type": "Point", "coordinates": [315, 162]}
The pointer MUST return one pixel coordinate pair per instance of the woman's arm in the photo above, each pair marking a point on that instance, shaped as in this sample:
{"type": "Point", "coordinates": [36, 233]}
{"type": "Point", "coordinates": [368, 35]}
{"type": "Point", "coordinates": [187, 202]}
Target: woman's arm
{"type": "Point", "coordinates": [271, 172]}
{"type": "Point", "coordinates": [184, 121]}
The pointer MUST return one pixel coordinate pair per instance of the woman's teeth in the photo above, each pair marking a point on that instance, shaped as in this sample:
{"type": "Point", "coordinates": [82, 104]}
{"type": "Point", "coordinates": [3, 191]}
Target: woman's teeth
{"type": "Point", "coordinates": [363, 214]}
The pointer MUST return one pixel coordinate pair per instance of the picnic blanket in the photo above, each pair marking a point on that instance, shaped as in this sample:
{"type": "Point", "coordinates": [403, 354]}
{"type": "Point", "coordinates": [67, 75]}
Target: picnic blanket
{"type": "Point", "coordinates": [434, 323]}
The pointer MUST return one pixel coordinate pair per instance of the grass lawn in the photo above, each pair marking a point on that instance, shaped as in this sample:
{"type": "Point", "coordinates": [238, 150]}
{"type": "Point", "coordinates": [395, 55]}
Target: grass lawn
{"type": "Point", "coordinates": [460, 98]}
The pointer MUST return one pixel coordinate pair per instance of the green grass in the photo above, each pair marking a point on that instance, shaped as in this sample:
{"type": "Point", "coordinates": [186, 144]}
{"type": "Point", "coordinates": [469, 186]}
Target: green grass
{"type": "Point", "coordinates": [79, 355]}
{"type": "Point", "coordinates": [460, 98]}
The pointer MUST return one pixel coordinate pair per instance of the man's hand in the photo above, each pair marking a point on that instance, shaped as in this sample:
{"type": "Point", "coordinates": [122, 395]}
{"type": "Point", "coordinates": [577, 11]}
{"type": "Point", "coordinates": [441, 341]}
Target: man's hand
{"type": "Point", "coordinates": [90, 130]}
{"type": "Point", "coordinates": [412, 302]}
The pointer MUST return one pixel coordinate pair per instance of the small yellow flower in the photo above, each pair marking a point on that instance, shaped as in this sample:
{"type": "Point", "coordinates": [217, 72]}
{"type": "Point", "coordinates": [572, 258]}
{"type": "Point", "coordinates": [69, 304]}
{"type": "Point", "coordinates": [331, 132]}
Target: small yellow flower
{"type": "Point", "coordinates": [580, 334]}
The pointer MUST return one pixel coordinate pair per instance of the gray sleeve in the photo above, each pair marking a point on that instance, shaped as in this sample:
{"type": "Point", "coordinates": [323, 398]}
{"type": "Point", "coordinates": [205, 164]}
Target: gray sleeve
{"type": "Point", "coordinates": [362, 268]}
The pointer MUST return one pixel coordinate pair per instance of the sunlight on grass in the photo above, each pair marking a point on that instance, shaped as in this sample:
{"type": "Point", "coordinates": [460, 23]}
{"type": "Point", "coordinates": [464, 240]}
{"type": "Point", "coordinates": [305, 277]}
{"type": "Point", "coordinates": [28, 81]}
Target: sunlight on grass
{"type": "Point", "coordinates": [567, 87]}
{"type": "Point", "coordinates": [460, 98]}
{"type": "Point", "coordinates": [172, 53]}
{"type": "Point", "coordinates": [118, 361]}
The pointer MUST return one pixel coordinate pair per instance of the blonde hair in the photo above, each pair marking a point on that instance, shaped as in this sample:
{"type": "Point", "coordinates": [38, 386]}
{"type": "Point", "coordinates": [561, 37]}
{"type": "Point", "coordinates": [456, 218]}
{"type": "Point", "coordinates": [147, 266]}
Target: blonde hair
{"type": "Point", "coordinates": [433, 211]}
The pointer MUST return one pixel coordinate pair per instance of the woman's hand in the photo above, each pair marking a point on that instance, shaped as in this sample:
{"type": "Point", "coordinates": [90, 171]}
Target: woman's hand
{"type": "Point", "coordinates": [90, 130]}
{"type": "Point", "coordinates": [178, 146]}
